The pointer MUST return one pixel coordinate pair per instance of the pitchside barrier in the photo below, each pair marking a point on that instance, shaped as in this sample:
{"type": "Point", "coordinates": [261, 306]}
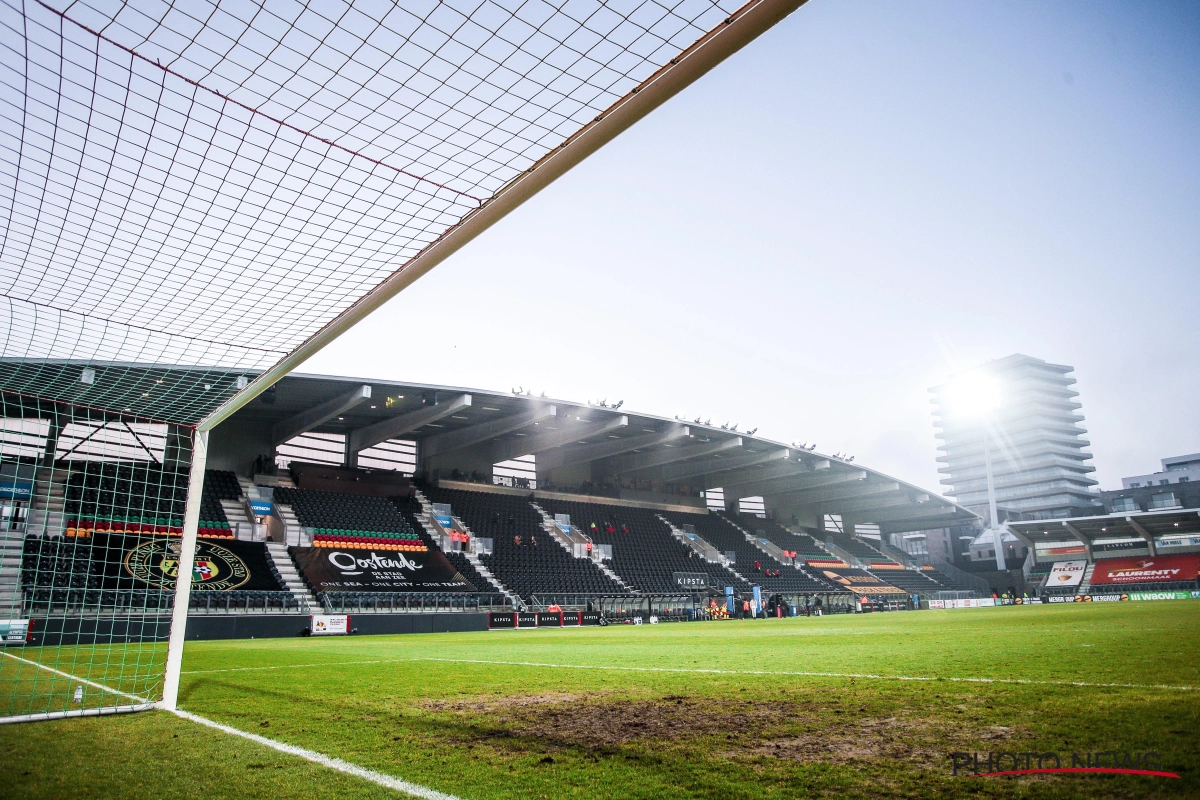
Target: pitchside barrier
{"type": "Point", "coordinates": [505, 620]}
{"type": "Point", "coordinates": [990, 602]}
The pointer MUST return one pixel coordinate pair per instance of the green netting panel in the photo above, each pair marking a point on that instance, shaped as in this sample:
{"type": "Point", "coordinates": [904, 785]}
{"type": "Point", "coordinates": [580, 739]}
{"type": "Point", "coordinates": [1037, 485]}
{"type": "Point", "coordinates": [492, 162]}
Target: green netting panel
{"type": "Point", "coordinates": [91, 512]}
{"type": "Point", "coordinates": [188, 193]}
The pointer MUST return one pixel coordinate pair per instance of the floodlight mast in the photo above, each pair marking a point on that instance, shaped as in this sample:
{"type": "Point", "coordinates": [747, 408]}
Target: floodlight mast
{"type": "Point", "coordinates": [994, 516]}
{"type": "Point", "coordinates": [977, 394]}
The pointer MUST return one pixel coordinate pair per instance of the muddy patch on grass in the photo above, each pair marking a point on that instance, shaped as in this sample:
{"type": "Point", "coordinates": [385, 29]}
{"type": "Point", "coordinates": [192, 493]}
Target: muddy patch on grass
{"type": "Point", "coordinates": [492, 705]}
{"type": "Point", "coordinates": [797, 732]}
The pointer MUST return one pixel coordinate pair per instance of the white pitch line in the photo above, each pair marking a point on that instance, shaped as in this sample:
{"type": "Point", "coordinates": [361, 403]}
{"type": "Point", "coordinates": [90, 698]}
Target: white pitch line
{"type": "Point", "coordinates": [378, 778]}
{"type": "Point", "coordinates": [292, 666]}
{"type": "Point", "coordinates": [85, 681]}
{"type": "Point", "coordinates": [864, 676]}
{"type": "Point", "coordinates": [386, 781]}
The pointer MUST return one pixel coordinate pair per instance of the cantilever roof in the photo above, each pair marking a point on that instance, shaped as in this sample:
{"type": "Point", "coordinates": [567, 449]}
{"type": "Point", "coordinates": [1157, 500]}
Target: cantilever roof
{"type": "Point", "coordinates": [615, 441]}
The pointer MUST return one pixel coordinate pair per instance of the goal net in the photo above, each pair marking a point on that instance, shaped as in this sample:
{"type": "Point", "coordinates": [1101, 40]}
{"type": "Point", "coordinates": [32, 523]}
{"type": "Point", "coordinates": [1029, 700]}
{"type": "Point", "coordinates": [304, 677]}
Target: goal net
{"type": "Point", "coordinates": [194, 197]}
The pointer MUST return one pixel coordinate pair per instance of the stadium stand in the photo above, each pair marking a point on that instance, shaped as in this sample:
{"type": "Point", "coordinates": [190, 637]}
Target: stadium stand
{"type": "Point", "coordinates": [468, 571]}
{"type": "Point", "coordinates": [947, 581]}
{"type": "Point", "coordinates": [527, 569]}
{"type": "Point", "coordinates": [910, 580]}
{"type": "Point", "coordinates": [752, 563]}
{"type": "Point", "coordinates": [853, 545]}
{"type": "Point", "coordinates": [63, 573]}
{"type": "Point", "coordinates": [645, 553]}
{"type": "Point", "coordinates": [802, 544]}
{"type": "Point", "coordinates": [352, 521]}
{"type": "Point", "coordinates": [105, 496]}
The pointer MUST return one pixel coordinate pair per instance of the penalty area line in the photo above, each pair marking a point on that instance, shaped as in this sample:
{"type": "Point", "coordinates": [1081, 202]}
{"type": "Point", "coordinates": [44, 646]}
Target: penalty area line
{"type": "Point", "coordinates": [803, 674]}
{"type": "Point", "coordinates": [378, 778]}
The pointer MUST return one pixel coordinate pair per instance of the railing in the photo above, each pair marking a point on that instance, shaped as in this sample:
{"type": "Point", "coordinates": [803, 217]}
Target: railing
{"type": "Point", "coordinates": [49, 600]}
{"type": "Point", "coordinates": [298, 536]}
{"type": "Point", "coordinates": [413, 602]}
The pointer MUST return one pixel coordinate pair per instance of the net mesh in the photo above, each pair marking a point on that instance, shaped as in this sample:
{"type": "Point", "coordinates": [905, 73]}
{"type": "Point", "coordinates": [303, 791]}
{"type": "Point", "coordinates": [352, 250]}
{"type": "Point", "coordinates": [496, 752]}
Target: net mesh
{"type": "Point", "coordinates": [188, 192]}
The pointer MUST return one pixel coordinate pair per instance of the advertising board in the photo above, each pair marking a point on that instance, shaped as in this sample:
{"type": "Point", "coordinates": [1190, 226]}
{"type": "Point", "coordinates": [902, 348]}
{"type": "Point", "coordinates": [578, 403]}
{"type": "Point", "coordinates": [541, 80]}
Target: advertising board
{"type": "Point", "coordinates": [330, 624]}
{"type": "Point", "coordinates": [336, 570]}
{"type": "Point", "coordinates": [1067, 573]}
{"type": "Point", "coordinates": [1148, 569]}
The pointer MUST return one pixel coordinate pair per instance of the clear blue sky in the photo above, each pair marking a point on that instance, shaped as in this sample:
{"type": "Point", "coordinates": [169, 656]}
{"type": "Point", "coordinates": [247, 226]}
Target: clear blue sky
{"type": "Point", "coordinates": [869, 196]}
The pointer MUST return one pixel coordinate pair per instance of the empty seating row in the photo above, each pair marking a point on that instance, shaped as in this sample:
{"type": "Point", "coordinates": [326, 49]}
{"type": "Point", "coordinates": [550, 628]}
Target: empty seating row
{"type": "Point", "coordinates": [910, 580]}
{"type": "Point", "coordinates": [468, 571]}
{"type": "Point", "coordinates": [111, 497]}
{"type": "Point", "coordinates": [750, 562]}
{"type": "Point", "coordinates": [351, 520]}
{"type": "Point", "coordinates": [231, 602]}
{"type": "Point", "coordinates": [853, 545]}
{"type": "Point", "coordinates": [524, 557]}
{"type": "Point", "coordinates": [645, 553]}
{"type": "Point", "coordinates": [802, 544]}
{"type": "Point", "coordinates": [946, 580]}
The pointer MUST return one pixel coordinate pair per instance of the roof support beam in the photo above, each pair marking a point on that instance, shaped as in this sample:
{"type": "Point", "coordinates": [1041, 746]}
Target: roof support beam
{"type": "Point", "coordinates": [659, 458]}
{"type": "Point", "coordinates": [1025, 540]}
{"type": "Point", "coordinates": [928, 519]}
{"type": "Point", "coordinates": [568, 431]}
{"type": "Point", "coordinates": [678, 472]}
{"type": "Point", "coordinates": [474, 434]}
{"type": "Point", "coordinates": [800, 483]}
{"type": "Point", "coordinates": [1145, 534]}
{"type": "Point", "coordinates": [936, 517]}
{"type": "Point", "coordinates": [1078, 534]}
{"type": "Point", "coordinates": [311, 418]}
{"type": "Point", "coordinates": [371, 435]}
{"type": "Point", "coordinates": [586, 453]}
{"type": "Point", "coordinates": [866, 508]}
{"type": "Point", "coordinates": [770, 473]}
{"type": "Point", "coordinates": [844, 491]}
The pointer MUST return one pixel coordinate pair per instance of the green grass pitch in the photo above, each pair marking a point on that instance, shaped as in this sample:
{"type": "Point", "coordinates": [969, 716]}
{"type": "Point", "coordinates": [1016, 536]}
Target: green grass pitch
{"type": "Point", "coordinates": [699, 710]}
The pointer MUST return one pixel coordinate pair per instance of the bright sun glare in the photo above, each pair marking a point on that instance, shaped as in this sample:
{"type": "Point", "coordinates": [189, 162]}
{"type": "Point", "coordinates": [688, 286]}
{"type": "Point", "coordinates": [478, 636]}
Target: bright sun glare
{"type": "Point", "coordinates": [973, 394]}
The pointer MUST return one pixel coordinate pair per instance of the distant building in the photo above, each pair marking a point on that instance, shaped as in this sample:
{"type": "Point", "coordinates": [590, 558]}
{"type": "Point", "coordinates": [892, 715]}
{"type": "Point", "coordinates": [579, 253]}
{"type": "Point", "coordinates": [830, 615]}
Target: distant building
{"type": "Point", "coordinates": [1176, 486]}
{"type": "Point", "coordinates": [1039, 462]}
{"type": "Point", "coordinates": [1180, 469]}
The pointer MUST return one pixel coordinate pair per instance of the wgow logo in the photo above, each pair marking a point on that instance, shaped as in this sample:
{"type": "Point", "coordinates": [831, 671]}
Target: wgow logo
{"type": "Point", "coordinates": [349, 565]}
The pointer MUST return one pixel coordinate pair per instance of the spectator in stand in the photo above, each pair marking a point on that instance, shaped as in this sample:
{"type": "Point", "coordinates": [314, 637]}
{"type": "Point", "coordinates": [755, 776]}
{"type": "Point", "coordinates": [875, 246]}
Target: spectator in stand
{"type": "Point", "coordinates": [608, 528]}
{"type": "Point", "coordinates": [517, 541]}
{"type": "Point", "coordinates": [758, 566]}
{"type": "Point", "coordinates": [624, 528]}
{"type": "Point", "coordinates": [532, 540]}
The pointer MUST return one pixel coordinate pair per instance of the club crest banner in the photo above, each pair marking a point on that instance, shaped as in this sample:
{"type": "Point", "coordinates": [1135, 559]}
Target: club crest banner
{"type": "Point", "coordinates": [127, 562]}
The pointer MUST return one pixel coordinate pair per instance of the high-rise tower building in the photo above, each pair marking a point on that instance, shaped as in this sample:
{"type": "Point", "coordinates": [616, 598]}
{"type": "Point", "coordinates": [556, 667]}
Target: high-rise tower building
{"type": "Point", "coordinates": [1033, 430]}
